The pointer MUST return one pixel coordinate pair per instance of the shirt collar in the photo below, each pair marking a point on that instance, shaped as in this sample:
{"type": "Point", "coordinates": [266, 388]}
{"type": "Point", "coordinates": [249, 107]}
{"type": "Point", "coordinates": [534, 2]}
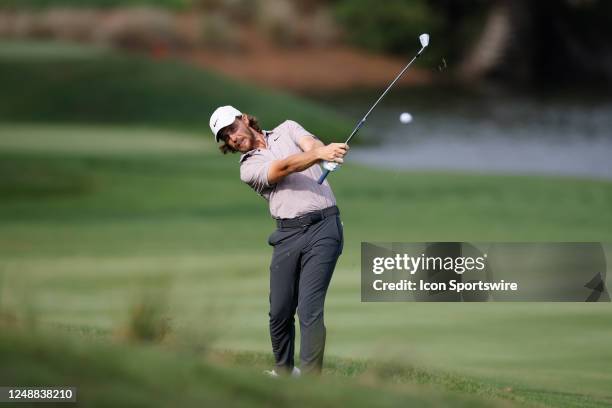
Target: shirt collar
{"type": "Point", "coordinates": [244, 156]}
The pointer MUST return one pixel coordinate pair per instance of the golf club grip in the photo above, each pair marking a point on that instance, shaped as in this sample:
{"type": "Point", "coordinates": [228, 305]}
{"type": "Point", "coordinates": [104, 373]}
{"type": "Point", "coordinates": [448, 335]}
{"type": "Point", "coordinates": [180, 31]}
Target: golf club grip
{"type": "Point", "coordinates": [323, 176]}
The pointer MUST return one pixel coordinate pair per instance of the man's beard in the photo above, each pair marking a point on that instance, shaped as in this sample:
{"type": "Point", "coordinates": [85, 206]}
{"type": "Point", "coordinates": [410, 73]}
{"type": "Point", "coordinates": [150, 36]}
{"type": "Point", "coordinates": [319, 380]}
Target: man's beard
{"type": "Point", "coordinates": [249, 142]}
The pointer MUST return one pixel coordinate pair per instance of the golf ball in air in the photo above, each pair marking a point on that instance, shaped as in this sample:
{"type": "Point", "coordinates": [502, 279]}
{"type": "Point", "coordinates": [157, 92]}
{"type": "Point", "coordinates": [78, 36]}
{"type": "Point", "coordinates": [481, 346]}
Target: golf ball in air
{"type": "Point", "coordinates": [405, 117]}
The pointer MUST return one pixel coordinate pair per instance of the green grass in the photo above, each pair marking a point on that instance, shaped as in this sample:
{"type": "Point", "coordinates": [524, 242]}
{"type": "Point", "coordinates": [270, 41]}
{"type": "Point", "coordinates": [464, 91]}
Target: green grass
{"type": "Point", "coordinates": [121, 375]}
{"type": "Point", "coordinates": [70, 83]}
{"type": "Point", "coordinates": [87, 231]}
{"type": "Point", "coordinates": [96, 217]}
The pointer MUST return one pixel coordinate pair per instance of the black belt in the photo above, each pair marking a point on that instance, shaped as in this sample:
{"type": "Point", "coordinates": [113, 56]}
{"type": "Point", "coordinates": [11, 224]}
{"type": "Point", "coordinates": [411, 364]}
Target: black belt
{"type": "Point", "coordinates": [307, 219]}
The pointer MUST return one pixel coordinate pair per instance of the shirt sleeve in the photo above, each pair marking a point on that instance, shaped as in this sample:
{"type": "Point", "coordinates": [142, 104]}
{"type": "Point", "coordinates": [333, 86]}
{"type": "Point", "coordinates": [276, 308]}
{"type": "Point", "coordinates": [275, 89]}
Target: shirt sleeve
{"type": "Point", "coordinates": [296, 131]}
{"type": "Point", "coordinates": [254, 171]}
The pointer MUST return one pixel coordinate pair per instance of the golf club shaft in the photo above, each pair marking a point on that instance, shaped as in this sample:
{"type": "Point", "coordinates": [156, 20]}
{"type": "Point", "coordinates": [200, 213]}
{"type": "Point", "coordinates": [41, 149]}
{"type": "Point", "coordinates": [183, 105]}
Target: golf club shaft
{"type": "Point", "coordinates": [363, 120]}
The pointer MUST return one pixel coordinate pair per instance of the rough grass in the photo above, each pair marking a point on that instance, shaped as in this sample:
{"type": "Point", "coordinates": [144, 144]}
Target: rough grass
{"type": "Point", "coordinates": [109, 374]}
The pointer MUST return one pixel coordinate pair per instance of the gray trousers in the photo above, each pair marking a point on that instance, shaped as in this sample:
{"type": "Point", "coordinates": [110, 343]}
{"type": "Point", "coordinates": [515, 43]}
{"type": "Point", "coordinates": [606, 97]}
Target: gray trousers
{"type": "Point", "coordinates": [302, 265]}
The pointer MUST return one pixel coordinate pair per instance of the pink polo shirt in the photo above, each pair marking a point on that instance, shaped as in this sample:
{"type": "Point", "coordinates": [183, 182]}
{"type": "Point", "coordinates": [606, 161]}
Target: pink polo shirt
{"type": "Point", "coordinates": [296, 194]}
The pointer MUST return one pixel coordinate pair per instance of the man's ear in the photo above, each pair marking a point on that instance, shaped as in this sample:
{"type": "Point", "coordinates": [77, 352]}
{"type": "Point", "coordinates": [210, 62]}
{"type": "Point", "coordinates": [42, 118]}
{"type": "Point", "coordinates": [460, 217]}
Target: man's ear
{"type": "Point", "coordinates": [245, 119]}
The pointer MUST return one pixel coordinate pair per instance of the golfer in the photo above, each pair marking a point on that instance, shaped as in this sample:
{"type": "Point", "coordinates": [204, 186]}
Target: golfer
{"type": "Point", "coordinates": [282, 165]}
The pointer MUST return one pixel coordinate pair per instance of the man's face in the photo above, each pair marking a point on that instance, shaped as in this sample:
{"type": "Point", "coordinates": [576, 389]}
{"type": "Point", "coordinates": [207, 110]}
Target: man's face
{"type": "Point", "coordinates": [239, 136]}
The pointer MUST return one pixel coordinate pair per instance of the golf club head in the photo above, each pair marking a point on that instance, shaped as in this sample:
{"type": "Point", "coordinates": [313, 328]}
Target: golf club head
{"type": "Point", "coordinates": [424, 39]}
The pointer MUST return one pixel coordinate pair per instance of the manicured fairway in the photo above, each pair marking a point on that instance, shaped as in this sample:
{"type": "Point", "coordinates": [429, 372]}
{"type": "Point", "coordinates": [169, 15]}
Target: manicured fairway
{"type": "Point", "coordinates": [90, 224]}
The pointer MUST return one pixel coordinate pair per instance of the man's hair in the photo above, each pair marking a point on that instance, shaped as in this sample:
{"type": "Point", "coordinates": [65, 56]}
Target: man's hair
{"type": "Point", "coordinates": [229, 129]}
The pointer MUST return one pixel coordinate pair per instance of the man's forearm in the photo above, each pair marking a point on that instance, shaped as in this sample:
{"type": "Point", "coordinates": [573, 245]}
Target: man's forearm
{"type": "Point", "coordinates": [309, 143]}
{"type": "Point", "coordinates": [280, 169]}
{"type": "Point", "coordinates": [291, 164]}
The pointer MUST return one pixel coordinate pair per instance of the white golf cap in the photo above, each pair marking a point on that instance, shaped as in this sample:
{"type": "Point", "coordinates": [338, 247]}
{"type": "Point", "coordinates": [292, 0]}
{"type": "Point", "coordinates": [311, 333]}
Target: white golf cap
{"type": "Point", "coordinates": [222, 117]}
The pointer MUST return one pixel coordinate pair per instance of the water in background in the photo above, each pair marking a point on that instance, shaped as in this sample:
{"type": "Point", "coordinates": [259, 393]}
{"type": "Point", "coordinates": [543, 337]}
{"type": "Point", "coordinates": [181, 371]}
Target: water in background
{"type": "Point", "coordinates": [483, 131]}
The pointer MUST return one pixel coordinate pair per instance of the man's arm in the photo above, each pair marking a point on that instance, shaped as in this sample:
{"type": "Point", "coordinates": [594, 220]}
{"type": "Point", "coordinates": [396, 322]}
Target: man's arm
{"type": "Point", "coordinates": [309, 142]}
{"type": "Point", "coordinates": [295, 163]}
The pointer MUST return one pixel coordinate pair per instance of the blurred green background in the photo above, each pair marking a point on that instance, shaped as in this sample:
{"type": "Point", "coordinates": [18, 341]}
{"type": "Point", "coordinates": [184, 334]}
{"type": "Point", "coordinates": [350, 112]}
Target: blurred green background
{"type": "Point", "coordinates": [133, 259]}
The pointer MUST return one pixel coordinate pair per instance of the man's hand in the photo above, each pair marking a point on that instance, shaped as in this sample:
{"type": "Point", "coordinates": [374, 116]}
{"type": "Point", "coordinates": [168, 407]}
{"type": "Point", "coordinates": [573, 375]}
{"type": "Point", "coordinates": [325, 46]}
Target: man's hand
{"type": "Point", "coordinates": [330, 166]}
{"type": "Point", "coordinates": [333, 152]}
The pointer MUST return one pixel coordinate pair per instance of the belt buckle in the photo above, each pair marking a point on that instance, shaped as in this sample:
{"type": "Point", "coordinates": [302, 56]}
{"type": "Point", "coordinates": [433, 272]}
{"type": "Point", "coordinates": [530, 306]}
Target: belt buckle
{"type": "Point", "coordinates": [305, 223]}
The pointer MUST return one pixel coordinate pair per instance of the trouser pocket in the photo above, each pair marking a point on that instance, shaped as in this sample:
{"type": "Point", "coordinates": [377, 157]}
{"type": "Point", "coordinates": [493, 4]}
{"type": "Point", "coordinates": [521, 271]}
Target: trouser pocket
{"type": "Point", "coordinates": [280, 235]}
{"type": "Point", "coordinates": [340, 233]}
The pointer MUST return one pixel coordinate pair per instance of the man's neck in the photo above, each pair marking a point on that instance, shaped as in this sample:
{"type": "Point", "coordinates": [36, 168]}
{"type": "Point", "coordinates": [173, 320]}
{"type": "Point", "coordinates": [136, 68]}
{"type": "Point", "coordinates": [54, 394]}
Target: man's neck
{"type": "Point", "coordinates": [260, 141]}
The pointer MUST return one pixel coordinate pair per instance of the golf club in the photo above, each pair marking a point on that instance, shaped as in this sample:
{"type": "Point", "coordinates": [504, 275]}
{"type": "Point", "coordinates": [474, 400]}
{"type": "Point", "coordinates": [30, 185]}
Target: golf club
{"type": "Point", "coordinates": [424, 39]}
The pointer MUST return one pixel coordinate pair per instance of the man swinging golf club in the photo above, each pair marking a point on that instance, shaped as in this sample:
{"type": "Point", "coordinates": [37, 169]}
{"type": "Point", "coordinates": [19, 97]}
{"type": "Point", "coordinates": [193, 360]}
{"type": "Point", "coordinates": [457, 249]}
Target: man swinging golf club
{"type": "Point", "coordinates": [282, 165]}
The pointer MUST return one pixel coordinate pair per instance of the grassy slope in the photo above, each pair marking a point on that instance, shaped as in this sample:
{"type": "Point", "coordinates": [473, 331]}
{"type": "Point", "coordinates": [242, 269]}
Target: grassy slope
{"type": "Point", "coordinates": [77, 84]}
{"type": "Point", "coordinates": [90, 221]}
